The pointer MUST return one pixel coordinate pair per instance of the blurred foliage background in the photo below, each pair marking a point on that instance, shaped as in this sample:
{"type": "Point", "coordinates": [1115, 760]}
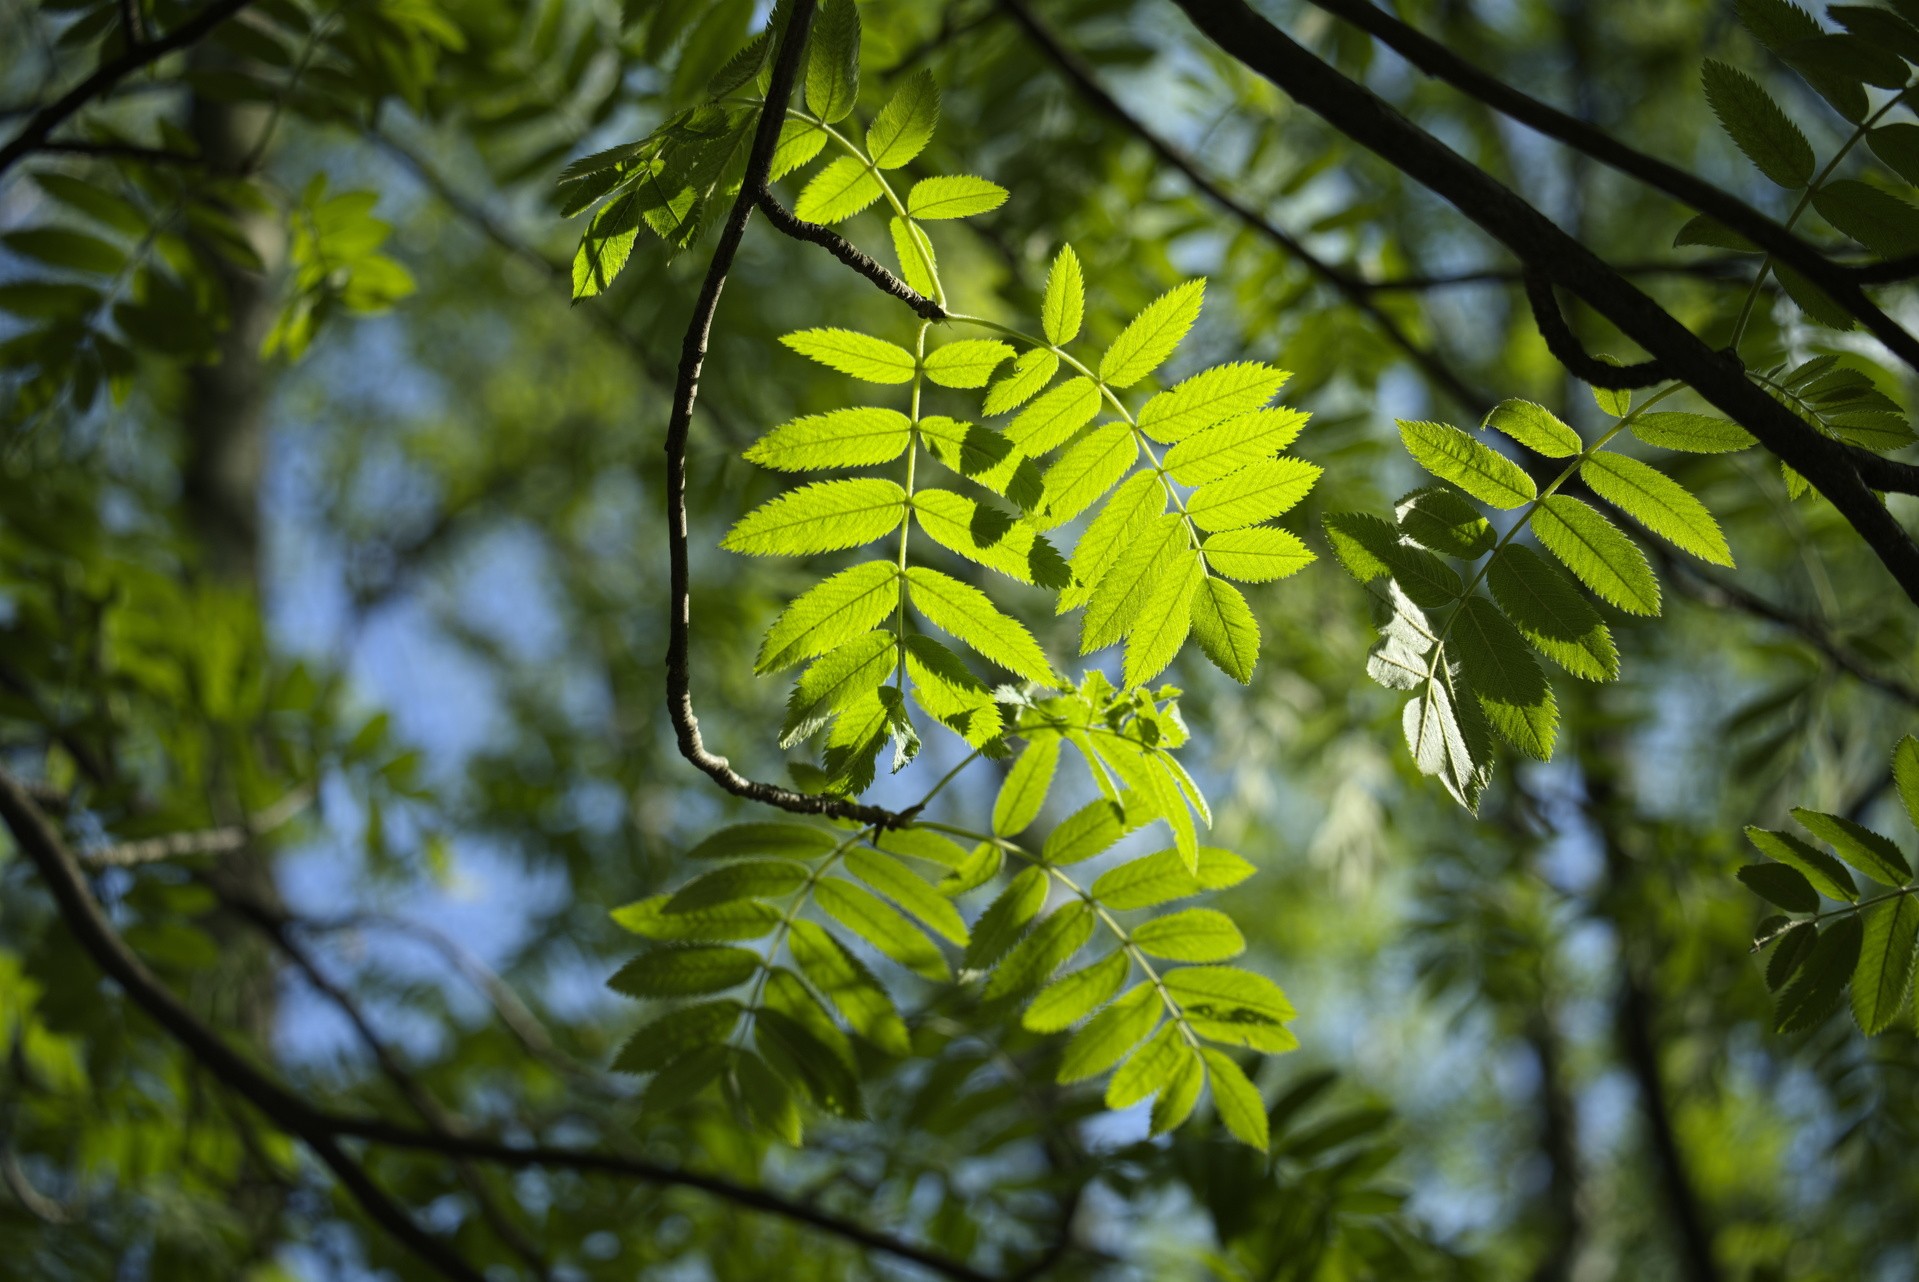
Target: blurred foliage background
{"type": "Point", "coordinates": [326, 523]}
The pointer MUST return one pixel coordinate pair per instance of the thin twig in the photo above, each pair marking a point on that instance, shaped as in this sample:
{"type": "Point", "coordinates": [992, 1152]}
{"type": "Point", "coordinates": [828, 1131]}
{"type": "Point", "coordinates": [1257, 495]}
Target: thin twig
{"type": "Point", "coordinates": [110, 73]}
{"type": "Point", "coordinates": [1571, 353]}
{"type": "Point", "coordinates": [850, 254]}
{"type": "Point", "coordinates": [204, 841]}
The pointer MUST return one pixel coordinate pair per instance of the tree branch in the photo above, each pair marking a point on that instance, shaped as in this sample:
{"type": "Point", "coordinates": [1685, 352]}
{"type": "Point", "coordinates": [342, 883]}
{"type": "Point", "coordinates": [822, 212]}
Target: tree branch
{"type": "Point", "coordinates": [321, 1129]}
{"type": "Point", "coordinates": [1539, 243]}
{"type": "Point", "coordinates": [1571, 353]}
{"type": "Point", "coordinates": [43, 122]}
{"type": "Point", "coordinates": [850, 254]}
{"type": "Point", "coordinates": [1355, 290]}
{"type": "Point", "coordinates": [1436, 60]}
{"type": "Point", "coordinates": [679, 694]}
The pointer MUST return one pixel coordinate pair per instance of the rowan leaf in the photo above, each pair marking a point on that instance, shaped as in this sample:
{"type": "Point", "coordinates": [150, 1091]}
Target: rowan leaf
{"type": "Point", "coordinates": [1241, 1109]}
{"type": "Point", "coordinates": [1149, 1069]}
{"type": "Point", "coordinates": [827, 615]}
{"type": "Point", "coordinates": [970, 362]}
{"type": "Point", "coordinates": [1050, 421]}
{"type": "Point", "coordinates": [1595, 550]}
{"type": "Point", "coordinates": [953, 196]}
{"type": "Point", "coordinates": [1535, 427]}
{"type": "Point", "coordinates": [1190, 935]}
{"type": "Point", "coordinates": [799, 841]}
{"type": "Point", "coordinates": [1088, 831]}
{"type": "Point", "coordinates": [910, 891]}
{"type": "Point", "coordinates": [840, 438]}
{"type": "Point", "coordinates": [800, 142]}
{"type": "Point", "coordinates": [833, 61]}
{"type": "Point", "coordinates": [1227, 632]}
{"type": "Point", "coordinates": [1884, 970]}
{"type": "Point", "coordinates": [1163, 877]}
{"type": "Point", "coordinates": [1693, 433]}
{"type": "Point", "coordinates": [675, 1033]}
{"type": "Point", "coordinates": [1758, 125]}
{"type": "Point", "coordinates": [845, 981]}
{"type": "Point", "coordinates": [1000, 926]}
{"type": "Point", "coordinates": [1065, 302]}
{"type": "Point", "coordinates": [1108, 1036]}
{"type": "Point", "coordinates": [1257, 492]}
{"type": "Point", "coordinates": [1234, 1006]}
{"type": "Point", "coordinates": [1209, 397]}
{"type": "Point", "coordinates": [1133, 505]}
{"type": "Point", "coordinates": [990, 537]}
{"type": "Point", "coordinates": [1440, 519]}
{"type": "Point", "coordinates": [1657, 502]}
{"type": "Point", "coordinates": [835, 679]}
{"type": "Point", "coordinates": [1864, 849]}
{"type": "Point", "coordinates": [845, 187]}
{"type": "Point", "coordinates": [1031, 372]}
{"type": "Point", "coordinates": [1815, 990]}
{"type": "Point", "coordinates": [966, 613]}
{"type": "Point", "coordinates": [1452, 455]}
{"type": "Point", "coordinates": [691, 971]}
{"type": "Point", "coordinates": [1879, 220]}
{"type": "Point", "coordinates": [1120, 600]}
{"type": "Point", "coordinates": [861, 356]}
{"type": "Point", "coordinates": [1825, 874]}
{"type": "Point", "coordinates": [1179, 1093]}
{"type": "Point", "coordinates": [748, 879]}
{"type": "Point", "coordinates": [1067, 1001]}
{"type": "Point", "coordinates": [919, 265]}
{"type": "Point", "coordinates": [1551, 614]}
{"type": "Point", "coordinates": [1024, 791]}
{"type": "Point", "coordinates": [769, 1099]}
{"type": "Point", "coordinates": [1092, 466]}
{"type": "Point", "coordinates": [1905, 775]}
{"type": "Point", "coordinates": [1166, 617]}
{"type": "Point", "coordinates": [1778, 884]}
{"type": "Point", "coordinates": [1256, 555]}
{"type": "Point", "coordinates": [902, 128]}
{"type": "Point", "coordinates": [742, 919]}
{"type": "Point", "coordinates": [1047, 947]}
{"type": "Point", "coordinates": [1150, 337]}
{"type": "Point", "coordinates": [866, 915]}
{"type": "Point", "coordinates": [1217, 452]}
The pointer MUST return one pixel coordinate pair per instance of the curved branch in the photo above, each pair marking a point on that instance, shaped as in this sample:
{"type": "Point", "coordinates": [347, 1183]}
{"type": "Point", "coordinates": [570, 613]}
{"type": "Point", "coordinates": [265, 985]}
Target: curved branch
{"type": "Point", "coordinates": [1828, 464]}
{"type": "Point", "coordinates": [321, 1129]}
{"type": "Point", "coordinates": [686, 389]}
{"type": "Point", "coordinates": [1356, 291]}
{"type": "Point", "coordinates": [108, 74]}
{"type": "Point", "coordinates": [1570, 352]}
{"type": "Point", "coordinates": [1436, 60]}
{"type": "Point", "coordinates": [850, 254]}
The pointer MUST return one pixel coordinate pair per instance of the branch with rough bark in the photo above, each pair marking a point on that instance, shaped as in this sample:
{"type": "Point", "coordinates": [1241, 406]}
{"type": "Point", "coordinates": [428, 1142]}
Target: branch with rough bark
{"type": "Point", "coordinates": [850, 254]}
{"type": "Point", "coordinates": [1353, 110]}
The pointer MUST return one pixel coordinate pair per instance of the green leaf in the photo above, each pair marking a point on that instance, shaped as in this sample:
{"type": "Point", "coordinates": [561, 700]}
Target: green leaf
{"type": "Point", "coordinates": [846, 605]}
{"type": "Point", "coordinates": [1814, 992]}
{"type": "Point", "coordinates": [1757, 124]}
{"type": "Point", "coordinates": [1065, 301]}
{"type": "Point", "coordinates": [1256, 555]}
{"type": "Point", "coordinates": [1218, 452]}
{"type": "Point", "coordinates": [834, 680]}
{"type": "Point", "coordinates": [1449, 742]}
{"type": "Point", "coordinates": [1551, 615]}
{"type": "Point", "coordinates": [1238, 1007]}
{"type": "Point", "coordinates": [1180, 1093]}
{"type": "Point", "coordinates": [97, 203]}
{"type": "Point", "coordinates": [841, 438]}
{"type": "Point", "coordinates": [1593, 548]}
{"type": "Point", "coordinates": [990, 537]}
{"type": "Point", "coordinates": [769, 1099]}
{"type": "Point", "coordinates": [1109, 1035]}
{"type": "Point", "coordinates": [1693, 433]}
{"type": "Point", "coordinates": [1905, 775]}
{"type": "Point", "coordinates": [743, 919]}
{"type": "Point", "coordinates": [1440, 518]}
{"type": "Point", "coordinates": [1780, 885]}
{"type": "Point", "coordinates": [1029, 374]}
{"type": "Point", "coordinates": [1150, 337]}
{"type": "Point", "coordinates": [863, 913]}
{"type": "Point", "coordinates": [685, 1077]}
{"type": "Point", "coordinates": [1789, 953]}
{"type": "Point", "coordinates": [1190, 935]}
{"type": "Point", "coordinates": [1255, 493]}
{"type": "Point", "coordinates": [1879, 220]}
{"type": "Point", "coordinates": [910, 891]}
{"type": "Point", "coordinates": [1506, 678]}
{"type": "Point", "coordinates": [1816, 303]}
{"type": "Point", "coordinates": [1086, 832]}
{"type": "Point", "coordinates": [1865, 850]}
{"type": "Point", "coordinates": [837, 192]}
{"type": "Point", "coordinates": [1092, 466]}
{"type": "Point", "coordinates": [799, 1055]}
{"type": "Point", "coordinates": [1132, 507]}
{"type": "Point", "coordinates": [1120, 599]}
{"type": "Point", "coordinates": [1069, 1000]}
{"type": "Point", "coordinates": [1241, 1109]}
{"type": "Point", "coordinates": [1163, 877]}
{"type": "Point", "coordinates": [953, 196]}
{"type": "Point", "coordinates": [1452, 455]}
{"type": "Point", "coordinates": [833, 61]}
{"type": "Point", "coordinates": [1884, 970]}
{"type": "Point", "coordinates": [1659, 503]}
{"type": "Point", "coordinates": [605, 247]}
{"type": "Point", "coordinates": [749, 879]}
{"type": "Point", "coordinates": [1702, 229]}
{"type": "Point", "coordinates": [905, 124]}
{"type": "Point", "coordinates": [1209, 397]}
{"type": "Point", "coordinates": [1051, 420]}
{"type": "Point", "coordinates": [822, 517]}
{"type": "Point", "coordinates": [1150, 1068]}
{"type": "Point", "coordinates": [677, 1032]}
{"type": "Point", "coordinates": [1046, 948]}
{"type": "Point", "coordinates": [850, 986]}
{"type": "Point", "coordinates": [922, 844]}
{"type": "Point", "coordinates": [999, 927]}
{"type": "Point", "coordinates": [1827, 875]}
{"type": "Point", "coordinates": [692, 971]}
{"type": "Point", "coordinates": [800, 142]}
{"type": "Point", "coordinates": [947, 688]}
{"type": "Point", "coordinates": [1156, 636]}
{"type": "Point", "coordinates": [1024, 792]}
{"type": "Point", "coordinates": [966, 613]}
{"type": "Point", "coordinates": [799, 841]}
{"type": "Point", "coordinates": [857, 355]}
{"type": "Point", "coordinates": [1535, 427]}
{"type": "Point", "coordinates": [1227, 631]}
{"type": "Point", "coordinates": [918, 262]}
{"type": "Point", "coordinates": [969, 362]}
{"type": "Point", "coordinates": [1898, 146]}
{"type": "Point", "coordinates": [63, 247]}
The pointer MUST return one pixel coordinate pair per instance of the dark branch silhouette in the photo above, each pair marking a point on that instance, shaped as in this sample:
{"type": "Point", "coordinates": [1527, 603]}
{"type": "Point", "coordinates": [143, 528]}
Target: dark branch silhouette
{"type": "Point", "coordinates": [850, 254]}
{"type": "Point", "coordinates": [1570, 352]}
